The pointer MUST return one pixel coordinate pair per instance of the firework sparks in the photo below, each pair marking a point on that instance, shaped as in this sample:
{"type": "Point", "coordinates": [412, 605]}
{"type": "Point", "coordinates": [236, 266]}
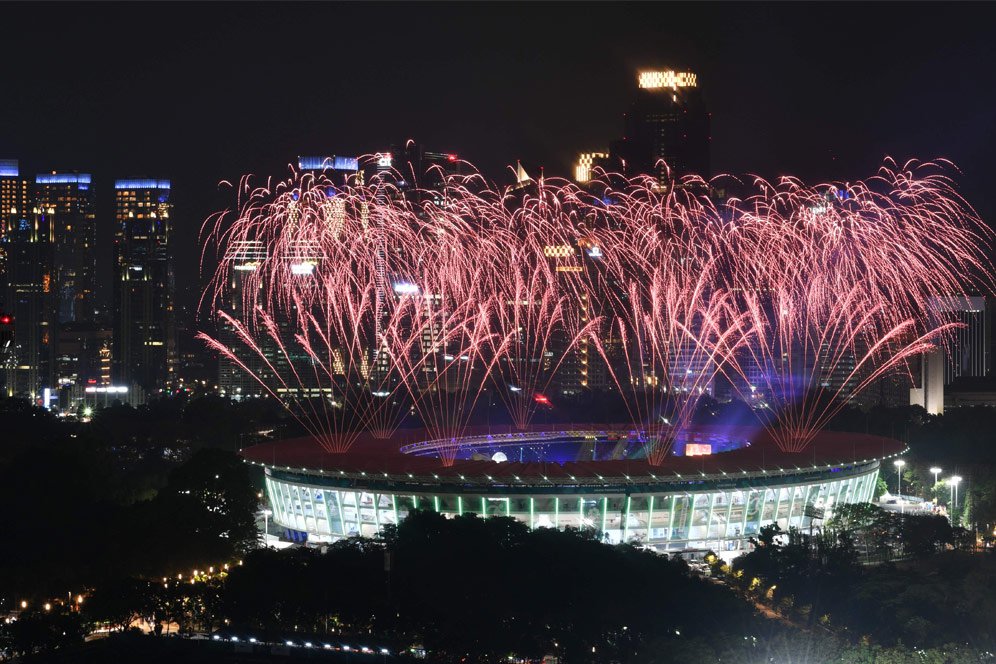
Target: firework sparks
{"type": "Point", "coordinates": [356, 304]}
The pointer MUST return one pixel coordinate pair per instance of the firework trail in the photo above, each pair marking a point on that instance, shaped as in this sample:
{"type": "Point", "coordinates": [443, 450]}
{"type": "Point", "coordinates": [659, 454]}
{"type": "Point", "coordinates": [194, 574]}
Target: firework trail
{"type": "Point", "coordinates": [441, 339]}
{"type": "Point", "coordinates": [836, 282]}
{"type": "Point", "coordinates": [352, 302]}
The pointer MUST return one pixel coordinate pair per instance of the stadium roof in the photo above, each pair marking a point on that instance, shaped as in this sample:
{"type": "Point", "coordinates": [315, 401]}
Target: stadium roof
{"type": "Point", "coordinates": [375, 457]}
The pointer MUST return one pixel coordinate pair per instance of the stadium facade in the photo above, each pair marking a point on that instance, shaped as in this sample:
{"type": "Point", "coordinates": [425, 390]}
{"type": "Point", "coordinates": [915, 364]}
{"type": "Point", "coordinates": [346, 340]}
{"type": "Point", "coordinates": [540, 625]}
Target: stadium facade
{"type": "Point", "coordinates": [719, 487]}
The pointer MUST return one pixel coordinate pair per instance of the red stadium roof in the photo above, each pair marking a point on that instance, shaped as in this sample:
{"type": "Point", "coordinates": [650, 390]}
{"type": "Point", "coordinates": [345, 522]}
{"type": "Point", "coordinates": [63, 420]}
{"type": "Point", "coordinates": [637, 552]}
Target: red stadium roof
{"type": "Point", "coordinates": [380, 457]}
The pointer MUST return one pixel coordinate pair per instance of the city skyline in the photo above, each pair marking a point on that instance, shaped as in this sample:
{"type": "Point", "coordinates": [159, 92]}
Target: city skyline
{"type": "Point", "coordinates": [665, 133]}
{"type": "Point", "coordinates": [546, 90]}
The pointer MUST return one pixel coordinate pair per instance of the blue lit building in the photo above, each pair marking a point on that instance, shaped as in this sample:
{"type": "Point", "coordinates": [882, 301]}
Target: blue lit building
{"type": "Point", "coordinates": [144, 351]}
{"type": "Point", "coordinates": [70, 199]}
{"type": "Point", "coordinates": [329, 165]}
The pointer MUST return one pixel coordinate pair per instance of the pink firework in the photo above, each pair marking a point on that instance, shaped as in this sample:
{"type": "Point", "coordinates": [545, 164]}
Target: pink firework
{"type": "Point", "coordinates": [440, 337]}
{"type": "Point", "coordinates": [300, 286]}
{"type": "Point", "coordinates": [352, 302]}
{"type": "Point", "coordinates": [836, 281]}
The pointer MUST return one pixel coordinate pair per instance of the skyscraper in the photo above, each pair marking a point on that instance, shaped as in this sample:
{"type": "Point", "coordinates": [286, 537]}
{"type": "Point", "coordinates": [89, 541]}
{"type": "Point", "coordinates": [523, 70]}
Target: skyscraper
{"type": "Point", "coordinates": [29, 301]}
{"type": "Point", "coordinates": [14, 198]}
{"type": "Point", "coordinates": [69, 197]}
{"type": "Point", "coordinates": [144, 327]}
{"type": "Point", "coordinates": [243, 256]}
{"type": "Point", "coordinates": [969, 349]}
{"type": "Point", "coordinates": [666, 128]}
{"type": "Point", "coordinates": [14, 194]}
{"type": "Point", "coordinates": [6, 348]}
{"type": "Point", "coordinates": [419, 174]}
{"type": "Point", "coordinates": [928, 382]}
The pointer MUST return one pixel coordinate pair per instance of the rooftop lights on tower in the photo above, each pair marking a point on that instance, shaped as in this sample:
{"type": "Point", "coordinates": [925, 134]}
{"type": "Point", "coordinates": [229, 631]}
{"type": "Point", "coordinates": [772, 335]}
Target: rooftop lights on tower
{"type": "Point", "coordinates": [666, 78]}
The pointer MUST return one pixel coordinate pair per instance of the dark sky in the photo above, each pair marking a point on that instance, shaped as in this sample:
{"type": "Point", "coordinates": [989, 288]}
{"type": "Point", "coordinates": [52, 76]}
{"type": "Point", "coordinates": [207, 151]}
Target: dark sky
{"type": "Point", "coordinates": [201, 93]}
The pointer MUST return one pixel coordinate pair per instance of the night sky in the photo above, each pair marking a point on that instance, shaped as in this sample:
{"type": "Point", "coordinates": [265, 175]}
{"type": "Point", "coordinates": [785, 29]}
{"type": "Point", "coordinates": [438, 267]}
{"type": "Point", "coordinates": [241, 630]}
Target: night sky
{"type": "Point", "coordinates": [203, 93]}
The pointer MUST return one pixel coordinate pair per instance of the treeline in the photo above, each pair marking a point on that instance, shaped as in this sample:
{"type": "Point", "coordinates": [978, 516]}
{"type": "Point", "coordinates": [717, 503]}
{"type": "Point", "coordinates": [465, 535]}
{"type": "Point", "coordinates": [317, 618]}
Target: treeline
{"type": "Point", "coordinates": [66, 529]}
{"type": "Point", "coordinates": [473, 590]}
{"type": "Point", "coordinates": [463, 588]}
{"type": "Point", "coordinates": [939, 592]}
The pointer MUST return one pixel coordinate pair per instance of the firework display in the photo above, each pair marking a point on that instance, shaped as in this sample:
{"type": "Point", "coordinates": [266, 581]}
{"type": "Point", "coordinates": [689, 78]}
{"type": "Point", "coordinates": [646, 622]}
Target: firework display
{"type": "Point", "coordinates": [359, 303]}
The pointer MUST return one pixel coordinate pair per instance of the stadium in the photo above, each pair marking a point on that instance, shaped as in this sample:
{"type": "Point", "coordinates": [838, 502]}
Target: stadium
{"type": "Point", "coordinates": [718, 486]}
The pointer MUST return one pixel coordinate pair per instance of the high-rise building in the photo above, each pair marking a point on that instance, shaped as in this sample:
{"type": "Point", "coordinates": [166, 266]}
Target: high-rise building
{"type": "Point", "coordinates": [78, 359]}
{"type": "Point", "coordinates": [15, 197]}
{"type": "Point", "coordinates": [969, 348]}
{"type": "Point", "coordinates": [243, 257]}
{"type": "Point", "coordinates": [144, 328]}
{"type": "Point", "coordinates": [419, 174]}
{"type": "Point", "coordinates": [70, 199]}
{"type": "Point", "coordinates": [928, 377]}
{"type": "Point", "coordinates": [29, 301]}
{"type": "Point", "coordinates": [666, 132]}
{"type": "Point", "coordinates": [14, 192]}
{"type": "Point", "coordinates": [6, 348]}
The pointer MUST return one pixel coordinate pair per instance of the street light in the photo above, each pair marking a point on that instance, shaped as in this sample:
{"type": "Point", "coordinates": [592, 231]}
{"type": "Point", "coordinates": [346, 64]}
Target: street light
{"type": "Point", "coordinates": [899, 463]}
{"type": "Point", "coordinates": [955, 479]}
{"type": "Point", "coordinates": [266, 525]}
{"type": "Point", "coordinates": [936, 471]}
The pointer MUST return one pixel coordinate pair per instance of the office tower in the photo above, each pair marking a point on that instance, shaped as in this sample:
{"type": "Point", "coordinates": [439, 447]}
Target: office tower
{"type": "Point", "coordinates": [233, 381]}
{"type": "Point", "coordinates": [14, 192]}
{"type": "Point", "coordinates": [419, 174]}
{"type": "Point", "coordinates": [29, 301]}
{"type": "Point", "coordinates": [968, 350]}
{"type": "Point", "coordinates": [928, 389]}
{"type": "Point", "coordinates": [78, 354]}
{"type": "Point", "coordinates": [70, 198]}
{"type": "Point", "coordinates": [666, 132]}
{"type": "Point", "coordinates": [15, 197]}
{"type": "Point", "coordinates": [144, 329]}
{"type": "Point", "coordinates": [6, 348]}
{"type": "Point", "coordinates": [581, 365]}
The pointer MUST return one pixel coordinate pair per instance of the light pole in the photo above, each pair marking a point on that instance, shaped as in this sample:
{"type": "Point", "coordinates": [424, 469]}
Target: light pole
{"type": "Point", "coordinates": [936, 471]}
{"type": "Point", "coordinates": [955, 479]}
{"type": "Point", "coordinates": [266, 525]}
{"type": "Point", "coordinates": [899, 463]}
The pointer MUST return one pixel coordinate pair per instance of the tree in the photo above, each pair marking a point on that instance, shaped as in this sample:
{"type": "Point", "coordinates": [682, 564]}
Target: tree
{"type": "Point", "coordinates": [220, 485]}
{"type": "Point", "coordinates": [117, 602]}
{"type": "Point", "coordinates": [924, 535]}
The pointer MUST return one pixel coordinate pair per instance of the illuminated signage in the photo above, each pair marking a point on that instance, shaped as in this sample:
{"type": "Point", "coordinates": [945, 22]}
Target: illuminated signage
{"type": "Point", "coordinates": [655, 80]}
{"type": "Point", "coordinates": [384, 160]}
{"type": "Point", "coordinates": [8, 168]}
{"type": "Point", "coordinates": [404, 288]}
{"type": "Point", "coordinates": [698, 449]}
